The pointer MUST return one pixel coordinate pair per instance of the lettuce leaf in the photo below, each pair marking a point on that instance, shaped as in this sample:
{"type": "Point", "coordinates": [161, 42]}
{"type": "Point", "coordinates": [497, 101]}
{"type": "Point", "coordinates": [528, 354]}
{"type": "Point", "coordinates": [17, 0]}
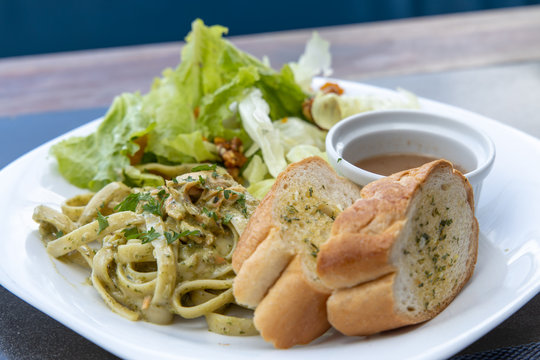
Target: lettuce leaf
{"type": "Point", "coordinates": [185, 109]}
{"type": "Point", "coordinates": [193, 146]}
{"type": "Point", "coordinates": [315, 60]}
{"type": "Point", "coordinates": [98, 159]}
{"type": "Point", "coordinates": [255, 171]}
{"type": "Point", "coordinates": [261, 188]}
{"type": "Point", "coordinates": [294, 131]}
{"type": "Point", "coordinates": [254, 111]}
{"type": "Point", "coordinates": [300, 152]}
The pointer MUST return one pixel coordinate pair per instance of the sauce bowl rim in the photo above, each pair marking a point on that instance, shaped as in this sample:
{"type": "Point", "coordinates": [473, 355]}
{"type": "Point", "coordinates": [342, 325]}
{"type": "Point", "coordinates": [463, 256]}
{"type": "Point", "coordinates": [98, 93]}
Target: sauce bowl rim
{"type": "Point", "coordinates": [441, 120]}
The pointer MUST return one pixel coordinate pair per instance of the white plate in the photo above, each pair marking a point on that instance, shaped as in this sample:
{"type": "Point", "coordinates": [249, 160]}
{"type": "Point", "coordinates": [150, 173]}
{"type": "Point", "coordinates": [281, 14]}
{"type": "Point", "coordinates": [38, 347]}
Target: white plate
{"type": "Point", "coordinates": [506, 277]}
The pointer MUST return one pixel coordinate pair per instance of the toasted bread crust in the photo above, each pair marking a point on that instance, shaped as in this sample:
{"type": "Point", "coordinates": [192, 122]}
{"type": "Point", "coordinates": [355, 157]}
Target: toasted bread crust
{"type": "Point", "coordinates": [369, 308]}
{"type": "Point", "coordinates": [261, 269]}
{"type": "Point", "coordinates": [356, 260]}
{"type": "Point", "coordinates": [358, 278]}
{"type": "Point", "coordinates": [256, 231]}
{"type": "Point", "coordinates": [366, 309]}
{"type": "Point", "coordinates": [293, 312]}
{"type": "Point", "coordinates": [275, 266]}
{"type": "Point", "coordinates": [362, 235]}
{"type": "Point", "coordinates": [357, 234]}
{"type": "Point", "coordinates": [261, 221]}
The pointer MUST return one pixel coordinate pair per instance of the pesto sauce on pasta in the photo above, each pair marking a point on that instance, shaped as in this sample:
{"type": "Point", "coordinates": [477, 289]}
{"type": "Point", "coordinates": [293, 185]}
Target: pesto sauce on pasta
{"type": "Point", "coordinates": [157, 252]}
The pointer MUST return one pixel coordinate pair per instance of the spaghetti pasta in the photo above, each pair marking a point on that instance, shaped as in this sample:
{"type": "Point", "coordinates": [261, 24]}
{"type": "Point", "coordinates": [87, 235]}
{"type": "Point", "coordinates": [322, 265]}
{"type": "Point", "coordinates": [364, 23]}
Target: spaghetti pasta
{"type": "Point", "coordinates": [157, 252]}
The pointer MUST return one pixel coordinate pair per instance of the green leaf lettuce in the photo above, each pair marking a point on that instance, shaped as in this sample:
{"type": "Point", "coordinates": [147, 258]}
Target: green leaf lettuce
{"type": "Point", "coordinates": [185, 109]}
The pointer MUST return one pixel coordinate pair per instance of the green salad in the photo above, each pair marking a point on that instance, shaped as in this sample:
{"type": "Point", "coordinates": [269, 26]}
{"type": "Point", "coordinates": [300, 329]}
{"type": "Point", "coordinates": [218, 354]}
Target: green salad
{"type": "Point", "coordinates": [220, 105]}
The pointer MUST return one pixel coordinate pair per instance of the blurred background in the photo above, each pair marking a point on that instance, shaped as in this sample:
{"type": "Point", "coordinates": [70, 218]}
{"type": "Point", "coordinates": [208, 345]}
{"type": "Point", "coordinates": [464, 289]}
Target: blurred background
{"type": "Point", "coordinates": [45, 26]}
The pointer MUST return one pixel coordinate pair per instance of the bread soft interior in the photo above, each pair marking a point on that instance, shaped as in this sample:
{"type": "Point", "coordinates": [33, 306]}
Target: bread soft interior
{"type": "Point", "coordinates": [433, 248]}
{"type": "Point", "coordinates": [306, 211]}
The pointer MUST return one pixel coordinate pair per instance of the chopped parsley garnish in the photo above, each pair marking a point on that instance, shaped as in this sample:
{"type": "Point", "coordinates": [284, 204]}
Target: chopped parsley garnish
{"type": "Point", "coordinates": [153, 208]}
{"type": "Point", "coordinates": [152, 205]}
{"type": "Point", "coordinates": [129, 203]}
{"type": "Point", "coordinates": [338, 160]}
{"type": "Point", "coordinates": [145, 237]}
{"type": "Point", "coordinates": [149, 236]}
{"type": "Point", "coordinates": [445, 222]}
{"type": "Point", "coordinates": [291, 209]}
{"type": "Point", "coordinates": [242, 202]}
{"type": "Point", "coordinates": [289, 219]}
{"type": "Point", "coordinates": [206, 167]}
{"type": "Point", "coordinates": [102, 221]}
{"type": "Point", "coordinates": [59, 234]}
{"type": "Point", "coordinates": [423, 237]}
{"type": "Point", "coordinates": [241, 199]}
{"type": "Point", "coordinates": [162, 194]}
{"type": "Point", "coordinates": [202, 180]}
{"type": "Point", "coordinates": [227, 219]}
{"type": "Point", "coordinates": [131, 233]}
{"type": "Point", "coordinates": [314, 248]}
{"type": "Point", "coordinates": [173, 236]}
{"type": "Point", "coordinates": [190, 233]}
{"type": "Point", "coordinates": [442, 225]}
{"type": "Point", "coordinates": [210, 214]}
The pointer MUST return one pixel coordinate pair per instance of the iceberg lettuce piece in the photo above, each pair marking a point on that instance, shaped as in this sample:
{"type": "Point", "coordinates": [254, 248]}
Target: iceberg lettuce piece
{"type": "Point", "coordinates": [255, 171]}
{"type": "Point", "coordinates": [315, 60]}
{"type": "Point", "coordinates": [254, 111]}
{"type": "Point", "coordinates": [300, 152]}
{"type": "Point", "coordinates": [261, 188]}
{"type": "Point", "coordinates": [294, 131]}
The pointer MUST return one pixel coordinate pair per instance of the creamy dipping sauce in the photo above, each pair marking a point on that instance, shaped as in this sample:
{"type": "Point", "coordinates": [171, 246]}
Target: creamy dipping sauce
{"type": "Point", "coordinates": [388, 164]}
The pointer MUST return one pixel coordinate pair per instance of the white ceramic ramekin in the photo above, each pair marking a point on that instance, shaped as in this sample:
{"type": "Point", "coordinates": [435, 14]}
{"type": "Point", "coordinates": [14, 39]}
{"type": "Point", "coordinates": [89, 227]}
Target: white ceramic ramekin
{"type": "Point", "coordinates": [409, 131]}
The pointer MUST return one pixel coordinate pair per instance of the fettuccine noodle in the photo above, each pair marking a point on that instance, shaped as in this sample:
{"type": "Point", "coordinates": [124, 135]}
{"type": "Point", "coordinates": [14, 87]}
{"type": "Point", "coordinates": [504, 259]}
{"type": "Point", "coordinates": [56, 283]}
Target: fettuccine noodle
{"type": "Point", "coordinates": [157, 252]}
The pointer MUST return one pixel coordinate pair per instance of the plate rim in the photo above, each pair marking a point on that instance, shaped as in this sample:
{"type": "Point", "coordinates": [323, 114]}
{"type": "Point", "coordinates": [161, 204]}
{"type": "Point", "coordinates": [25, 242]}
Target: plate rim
{"type": "Point", "coordinates": [7, 281]}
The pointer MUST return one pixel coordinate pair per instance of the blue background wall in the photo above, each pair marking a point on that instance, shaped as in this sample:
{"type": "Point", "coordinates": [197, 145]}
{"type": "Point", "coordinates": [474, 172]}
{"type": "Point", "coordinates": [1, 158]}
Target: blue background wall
{"type": "Point", "coordinates": [43, 26]}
